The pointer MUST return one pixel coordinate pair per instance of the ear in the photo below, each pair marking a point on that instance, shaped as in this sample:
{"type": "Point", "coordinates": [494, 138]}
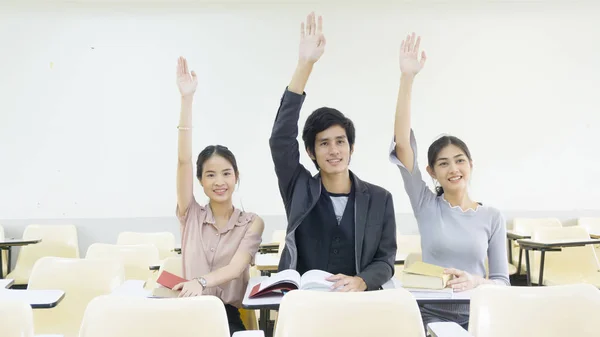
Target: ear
{"type": "Point", "coordinates": [352, 149]}
{"type": "Point", "coordinates": [310, 154]}
{"type": "Point", "coordinates": [431, 172]}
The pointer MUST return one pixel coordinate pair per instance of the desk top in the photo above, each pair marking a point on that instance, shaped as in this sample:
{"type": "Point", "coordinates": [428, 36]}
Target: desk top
{"type": "Point", "coordinates": [18, 242]}
{"type": "Point", "coordinates": [530, 244]}
{"type": "Point", "coordinates": [272, 302]}
{"type": "Point", "coordinates": [6, 282]}
{"type": "Point", "coordinates": [37, 298]}
{"type": "Point", "coordinates": [517, 236]}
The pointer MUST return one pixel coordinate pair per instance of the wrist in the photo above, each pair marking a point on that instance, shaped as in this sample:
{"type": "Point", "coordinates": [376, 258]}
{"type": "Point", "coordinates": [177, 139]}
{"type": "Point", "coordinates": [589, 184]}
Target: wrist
{"type": "Point", "coordinates": [407, 77]}
{"type": "Point", "coordinates": [202, 282]}
{"type": "Point", "coordinates": [305, 64]}
{"type": "Point", "coordinates": [187, 98]}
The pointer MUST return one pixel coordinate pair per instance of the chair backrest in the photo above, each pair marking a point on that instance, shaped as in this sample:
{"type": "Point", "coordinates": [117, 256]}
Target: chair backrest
{"type": "Point", "coordinates": [57, 241]}
{"type": "Point", "coordinates": [498, 311]}
{"type": "Point", "coordinates": [278, 236]}
{"type": "Point", "coordinates": [81, 280]}
{"type": "Point", "coordinates": [392, 312]}
{"type": "Point", "coordinates": [16, 318]}
{"type": "Point", "coordinates": [137, 259]}
{"type": "Point", "coordinates": [164, 241]}
{"type": "Point", "coordinates": [570, 261]}
{"type": "Point", "coordinates": [173, 265]}
{"type": "Point", "coordinates": [117, 316]}
{"type": "Point", "coordinates": [408, 243]}
{"type": "Point", "coordinates": [528, 225]}
{"type": "Point", "coordinates": [591, 224]}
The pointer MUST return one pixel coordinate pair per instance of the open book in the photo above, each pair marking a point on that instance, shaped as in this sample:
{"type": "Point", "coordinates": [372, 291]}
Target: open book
{"type": "Point", "coordinates": [167, 281]}
{"type": "Point", "coordinates": [425, 276]}
{"type": "Point", "coordinates": [290, 279]}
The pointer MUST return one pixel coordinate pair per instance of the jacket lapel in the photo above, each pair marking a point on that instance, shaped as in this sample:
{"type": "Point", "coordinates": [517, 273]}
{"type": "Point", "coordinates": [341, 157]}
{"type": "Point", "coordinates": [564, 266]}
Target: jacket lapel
{"type": "Point", "coordinates": [361, 207]}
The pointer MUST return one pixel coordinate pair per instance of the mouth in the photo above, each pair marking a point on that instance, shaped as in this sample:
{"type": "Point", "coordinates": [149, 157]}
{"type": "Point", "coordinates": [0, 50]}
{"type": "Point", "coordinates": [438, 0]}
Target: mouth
{"type": "Point", "coordinates": [455, 179]}
{"type": "Point", "coordinates": [220, 191]}
{"type": "Point", "coordinates": [335, 161]}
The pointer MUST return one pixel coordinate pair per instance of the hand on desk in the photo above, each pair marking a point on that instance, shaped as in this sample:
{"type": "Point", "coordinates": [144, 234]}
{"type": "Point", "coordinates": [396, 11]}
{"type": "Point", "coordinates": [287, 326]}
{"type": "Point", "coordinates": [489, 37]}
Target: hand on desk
{"type": "Point", "coordinates": [462, 280]}
{"type": "Point", "coordinates": [189, 288]}
{"type": "Point", "coordinates": [344, 283]}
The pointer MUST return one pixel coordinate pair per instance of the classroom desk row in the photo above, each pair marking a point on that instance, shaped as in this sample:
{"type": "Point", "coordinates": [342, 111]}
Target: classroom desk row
{"type": "Point", "coordinates": [527, 245]}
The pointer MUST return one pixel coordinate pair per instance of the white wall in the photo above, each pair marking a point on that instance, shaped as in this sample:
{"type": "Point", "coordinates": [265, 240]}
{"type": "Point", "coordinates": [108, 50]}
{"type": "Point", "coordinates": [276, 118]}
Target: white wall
{"type": "Point", "coordinates": [89, 106]}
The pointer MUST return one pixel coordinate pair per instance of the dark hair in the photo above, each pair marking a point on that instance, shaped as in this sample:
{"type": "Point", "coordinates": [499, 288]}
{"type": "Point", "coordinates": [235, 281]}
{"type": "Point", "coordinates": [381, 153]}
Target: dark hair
{"type": "Point", "coordinates": [321, 120]}
{"type": "Point", "coordinates": [436, 147]}
{"type": "Point", "coordinates": [215, 150]}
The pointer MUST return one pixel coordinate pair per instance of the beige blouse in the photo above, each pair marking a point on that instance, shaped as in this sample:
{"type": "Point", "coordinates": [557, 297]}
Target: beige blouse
{"type": "Point", "coordinates": [205, 248]}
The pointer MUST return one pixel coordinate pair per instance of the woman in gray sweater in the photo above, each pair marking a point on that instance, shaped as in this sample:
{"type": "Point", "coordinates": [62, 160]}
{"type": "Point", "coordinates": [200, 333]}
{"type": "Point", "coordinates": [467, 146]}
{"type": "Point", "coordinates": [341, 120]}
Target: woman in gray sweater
{"type": "Point", "coordinates": [457, 233]}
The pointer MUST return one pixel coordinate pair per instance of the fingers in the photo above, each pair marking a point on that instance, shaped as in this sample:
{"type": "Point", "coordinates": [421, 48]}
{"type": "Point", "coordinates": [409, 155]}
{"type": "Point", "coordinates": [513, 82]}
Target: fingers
{"type": "Point", "coordinates": [417, 45]}
{"type": "Point", "coordinates": [178, 286]}
{"type": "Point", "coordinates": [320, 25]}
{"type": "Point", "coordinates": [194, 75]}
{"type": "Point", "coordinates": [454, 272]}
{"type": "Point", "coordinates": [423, 58]}
{"type": "Point", "coordinates": [302, 30]}
{"type": "Point", "coordinates": [322, 41]}
{"type": "Point", "coordinates": [185, 67]}
{"type": "Point", "coordinates": [335, 277]}
{"type": "Point", "coordinates": [308, 24]}
{"type": "Point", "coordinates": [313, 23]}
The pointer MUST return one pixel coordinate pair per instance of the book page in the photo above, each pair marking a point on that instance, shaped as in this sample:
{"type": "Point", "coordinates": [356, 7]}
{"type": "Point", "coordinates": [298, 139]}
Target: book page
{"type": "Point", "coordinates": [316, 279]}
{"type": "Point", "coordinates": [288, 275]}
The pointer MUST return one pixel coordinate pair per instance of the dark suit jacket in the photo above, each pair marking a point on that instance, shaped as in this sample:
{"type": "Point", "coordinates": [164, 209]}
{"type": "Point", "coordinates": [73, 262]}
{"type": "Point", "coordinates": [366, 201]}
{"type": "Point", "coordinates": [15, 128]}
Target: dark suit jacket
{"type": "Point", "coordinates": [374, 218]}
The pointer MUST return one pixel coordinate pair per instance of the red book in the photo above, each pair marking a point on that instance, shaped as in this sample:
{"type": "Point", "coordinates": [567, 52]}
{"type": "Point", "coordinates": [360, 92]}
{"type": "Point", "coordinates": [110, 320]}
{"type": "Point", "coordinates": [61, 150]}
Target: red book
{"type": "Point", "coordinates": [169, 280]}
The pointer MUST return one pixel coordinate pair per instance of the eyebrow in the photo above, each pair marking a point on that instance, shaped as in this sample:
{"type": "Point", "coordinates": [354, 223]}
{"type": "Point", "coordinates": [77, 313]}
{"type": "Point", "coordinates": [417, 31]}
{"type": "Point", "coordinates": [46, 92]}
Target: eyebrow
{"type": "Point", "coordinates": [458, 155]}
{"type": "Point", "coordinates": [225, 170]}
{"type": "Point", "coordinates": [338, 137]}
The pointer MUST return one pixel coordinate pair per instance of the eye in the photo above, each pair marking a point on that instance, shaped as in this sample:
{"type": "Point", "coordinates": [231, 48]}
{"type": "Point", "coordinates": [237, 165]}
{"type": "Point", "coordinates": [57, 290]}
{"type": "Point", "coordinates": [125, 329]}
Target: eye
{"type": "Point", "coordinates": [443, 163]}
{"type": "Point", "coordinates": [341, 141]}
{"type": "Point", "coordinates": [461, 160]}
{"type": "Point", "coordinates": [210, 175]}
{"type": "Point", "coordinates": [324, 144]}
{"type": "Point", "coordinates": [227, 173]}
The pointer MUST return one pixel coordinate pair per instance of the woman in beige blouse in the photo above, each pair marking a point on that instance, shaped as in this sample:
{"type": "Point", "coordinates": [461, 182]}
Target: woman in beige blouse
{"type": "Point", "coordinates": [218, 240]}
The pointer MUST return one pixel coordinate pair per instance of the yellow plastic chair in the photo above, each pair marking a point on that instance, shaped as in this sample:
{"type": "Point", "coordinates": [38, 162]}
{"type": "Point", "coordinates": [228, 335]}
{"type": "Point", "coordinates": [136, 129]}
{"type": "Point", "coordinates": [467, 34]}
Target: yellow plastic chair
{"type": "Point", "coordinates": [16, 318]}
{"type": "Point", "coordinates": [137, 259]}
{"type": "Point", "coordinates": [81, 280]}
{"type": "Point", "coordinates": [557, 311]}
{"type": "Point", "coordinates": [174, 266]}
{"type": "Point", "coordinates": [117, 316]}
{"type": "Point", "coordinates": [593, 227]}
{"type": "Point", "coordinates": [57, 241]}
{"type": "Point", "coordinates": [391, 312]}
{"type": "Point", "coordinates": [571, 264]}
{"type": "Point", "coordinates": [164, 241]}
{"type": "Point", "coordinates": [526, 226]}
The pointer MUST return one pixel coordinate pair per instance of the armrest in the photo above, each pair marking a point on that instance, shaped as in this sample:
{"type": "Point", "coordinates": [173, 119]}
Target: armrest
{"type": "Point", "coordinates": [249, 333]}
{"type": "Point", "coordinates": [447, 329]}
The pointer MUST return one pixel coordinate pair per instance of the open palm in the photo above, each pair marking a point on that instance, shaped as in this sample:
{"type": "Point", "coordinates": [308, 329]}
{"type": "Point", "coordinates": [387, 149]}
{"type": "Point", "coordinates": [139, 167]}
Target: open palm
{"type": "Point", "coordinates": [312, 41]}
{"type": "Point", "coordinates": [186, 80]}
{"type": "Point", "coordinates": [409, 55]}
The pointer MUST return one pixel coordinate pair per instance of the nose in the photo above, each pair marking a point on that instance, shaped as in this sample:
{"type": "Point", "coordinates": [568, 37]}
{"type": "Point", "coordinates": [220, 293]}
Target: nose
{"type": "Point", "coordinates": [334, 149]}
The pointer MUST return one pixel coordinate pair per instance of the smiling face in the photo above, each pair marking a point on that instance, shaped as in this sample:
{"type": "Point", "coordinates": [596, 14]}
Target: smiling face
{"type": "Point", "coordinates": [452, 168]}
{"type": "Point", "coordinates": [332, 150]}
{"type": "Point", "coordinates": [218, 179]}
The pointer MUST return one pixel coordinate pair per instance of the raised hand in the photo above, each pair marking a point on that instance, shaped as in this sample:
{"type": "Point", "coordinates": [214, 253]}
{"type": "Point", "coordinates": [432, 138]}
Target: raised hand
{"type": "Point", "coordinates": [312, 40]}
{"type": "Point", "coordinates": [186, 81]}
{"type": "Point", "coordinates": [409, 56]}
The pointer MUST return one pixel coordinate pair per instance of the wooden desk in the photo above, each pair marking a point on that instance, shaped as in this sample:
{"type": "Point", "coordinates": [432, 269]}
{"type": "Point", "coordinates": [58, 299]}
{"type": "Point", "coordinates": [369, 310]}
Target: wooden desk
{"type": "Point", "coordinates": [543, 247]}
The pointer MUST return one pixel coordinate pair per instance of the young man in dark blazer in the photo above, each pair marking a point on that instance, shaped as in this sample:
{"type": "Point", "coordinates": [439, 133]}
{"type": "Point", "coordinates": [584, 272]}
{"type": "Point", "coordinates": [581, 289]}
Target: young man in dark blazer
{"type": "Point", "coordinates": [336, 222]}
